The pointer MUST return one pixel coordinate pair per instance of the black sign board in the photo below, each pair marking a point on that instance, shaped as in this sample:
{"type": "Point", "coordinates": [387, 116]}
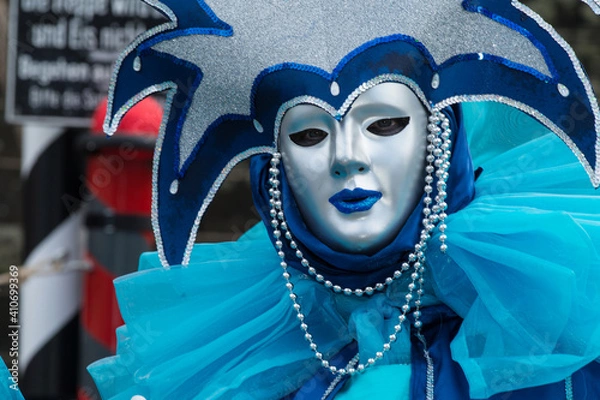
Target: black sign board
{"type": "Point", "coordinates": [61, 54]}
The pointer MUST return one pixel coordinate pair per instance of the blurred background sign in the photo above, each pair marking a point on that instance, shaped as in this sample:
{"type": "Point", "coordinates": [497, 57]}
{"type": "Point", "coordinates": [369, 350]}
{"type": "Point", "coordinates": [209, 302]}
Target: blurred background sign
{"type": "Point", "coordinates": [61, 52]}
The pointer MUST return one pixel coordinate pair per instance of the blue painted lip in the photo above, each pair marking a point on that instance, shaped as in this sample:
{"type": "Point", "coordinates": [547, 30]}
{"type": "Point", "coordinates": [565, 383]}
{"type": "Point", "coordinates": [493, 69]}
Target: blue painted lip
{"type": "Point", "coordinates": [350, 201]}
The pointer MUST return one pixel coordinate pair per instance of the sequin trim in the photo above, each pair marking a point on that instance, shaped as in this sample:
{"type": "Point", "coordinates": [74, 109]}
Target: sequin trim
{"type": "Point", "coordinates": [524, 32]}
{"type": "Point", "coordinates": [294, 102]}
{"type": "Point", "coordinates": [387, 39]}
{"type": "Point", "coordinates": [136, 99]}
{"type": "Point", "coordinates": [338, 378]}
{"type": "Point", "coordinates": [595, 178]}
{"type": "Point", "coordinates": [339, 114]}
{"type": "Point", "coordinates": [155, 165]}
{"type": "Point", "coordinates": [430, 374]}
{"type": "Point", "coordinates": [213, 191]}
{"type": "Point", "coordinates": [224, 30]}
{"type": "Point", "coordinates": [569, 388]}
{"type": "Point", "coordinates": [111, 123]}
{"type": "Point", "coordinates": [594, 175]}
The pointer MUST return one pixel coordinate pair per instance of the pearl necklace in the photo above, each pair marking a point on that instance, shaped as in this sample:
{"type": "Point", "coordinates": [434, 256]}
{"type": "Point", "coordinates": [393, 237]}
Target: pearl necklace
{"type": "Point", "coordinates": [437, 159]}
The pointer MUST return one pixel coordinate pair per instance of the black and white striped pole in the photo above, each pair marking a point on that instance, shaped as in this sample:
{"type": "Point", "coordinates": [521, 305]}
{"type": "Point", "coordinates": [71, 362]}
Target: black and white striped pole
{"type": "Point", "coordinates": [51, 295]}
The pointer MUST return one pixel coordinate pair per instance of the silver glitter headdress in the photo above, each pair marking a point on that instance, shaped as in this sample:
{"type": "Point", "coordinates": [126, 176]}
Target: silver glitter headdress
{"type": "Point", "coordinates": [228, 65]}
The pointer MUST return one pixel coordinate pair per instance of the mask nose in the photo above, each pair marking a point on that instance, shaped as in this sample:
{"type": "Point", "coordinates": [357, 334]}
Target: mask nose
{"type": "Point", "coordinates": [348, 153]}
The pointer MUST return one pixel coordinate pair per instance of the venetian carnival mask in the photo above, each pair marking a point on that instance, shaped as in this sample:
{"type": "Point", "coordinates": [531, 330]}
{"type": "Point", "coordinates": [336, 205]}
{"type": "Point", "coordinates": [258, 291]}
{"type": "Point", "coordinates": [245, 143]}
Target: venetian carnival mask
{"type": "Point", "coordinates": [357, 179]}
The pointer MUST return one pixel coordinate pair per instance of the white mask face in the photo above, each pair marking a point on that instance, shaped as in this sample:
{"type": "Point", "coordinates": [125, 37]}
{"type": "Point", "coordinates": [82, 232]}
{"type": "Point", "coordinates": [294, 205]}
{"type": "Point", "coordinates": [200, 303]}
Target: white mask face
{"type": "Point", "coordinates": [356, 181]}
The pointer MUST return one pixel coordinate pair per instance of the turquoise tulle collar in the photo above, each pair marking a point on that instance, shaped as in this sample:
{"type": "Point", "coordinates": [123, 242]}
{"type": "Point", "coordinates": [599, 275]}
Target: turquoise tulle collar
{"type": "Point", "coordinates": [531, 309]}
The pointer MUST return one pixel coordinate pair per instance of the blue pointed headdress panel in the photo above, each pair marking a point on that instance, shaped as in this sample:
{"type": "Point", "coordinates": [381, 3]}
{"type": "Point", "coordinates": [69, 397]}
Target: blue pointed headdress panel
{"type": "Point", "coordinates": [228, 66]}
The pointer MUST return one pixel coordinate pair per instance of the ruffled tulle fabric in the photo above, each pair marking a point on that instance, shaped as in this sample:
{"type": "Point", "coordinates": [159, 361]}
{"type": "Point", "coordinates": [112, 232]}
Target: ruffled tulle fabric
{"type": "Point", "coordinates": [221, 328]}
{"type": "Point", "coordinates": [9, 390]}
{"type": "Point", "coordinates": [523, 266]}
{"type": "Point", "coordinates": [224, 328]}
{"type": "Point", "coordinates": [370, 384]}
{"type": "Point", "coordinates": [522, 269]}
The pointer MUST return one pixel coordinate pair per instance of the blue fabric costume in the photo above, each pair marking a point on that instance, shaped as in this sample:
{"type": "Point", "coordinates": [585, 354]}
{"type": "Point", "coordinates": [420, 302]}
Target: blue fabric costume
{"type": "Point", "coordinates": [519, 303]}
{"type": "Point", "coordinates": [511, 309]}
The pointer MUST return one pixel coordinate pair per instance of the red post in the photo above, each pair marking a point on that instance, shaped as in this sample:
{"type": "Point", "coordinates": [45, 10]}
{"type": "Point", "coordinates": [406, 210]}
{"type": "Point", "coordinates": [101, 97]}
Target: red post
{"type": "Point", "coordinates": [119, 176]}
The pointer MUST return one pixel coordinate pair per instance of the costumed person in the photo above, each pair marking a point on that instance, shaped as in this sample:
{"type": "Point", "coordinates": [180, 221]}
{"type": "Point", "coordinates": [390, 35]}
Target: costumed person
{"type": "Point", "coordinates": [425, 172]}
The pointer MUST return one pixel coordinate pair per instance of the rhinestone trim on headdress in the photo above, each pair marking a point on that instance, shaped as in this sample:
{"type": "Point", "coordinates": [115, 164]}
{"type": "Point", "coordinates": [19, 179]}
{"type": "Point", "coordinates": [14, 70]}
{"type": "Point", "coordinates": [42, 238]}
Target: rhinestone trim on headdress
{"type": "Point", "coordinates": [595, 172]}
{"type": "Point", "coordinates": [535, 114]}
{"type": "Point", "coordinates": [111, 124]}
{"type": "Point", "coordinates": [171, 89]}
{"type": "Point", "coordinates": [337, 114]}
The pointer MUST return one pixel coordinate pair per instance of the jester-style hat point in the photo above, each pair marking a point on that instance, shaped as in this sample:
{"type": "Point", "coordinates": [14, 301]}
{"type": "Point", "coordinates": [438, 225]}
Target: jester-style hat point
{"type": "Point", "coordinates": [230, 68]}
